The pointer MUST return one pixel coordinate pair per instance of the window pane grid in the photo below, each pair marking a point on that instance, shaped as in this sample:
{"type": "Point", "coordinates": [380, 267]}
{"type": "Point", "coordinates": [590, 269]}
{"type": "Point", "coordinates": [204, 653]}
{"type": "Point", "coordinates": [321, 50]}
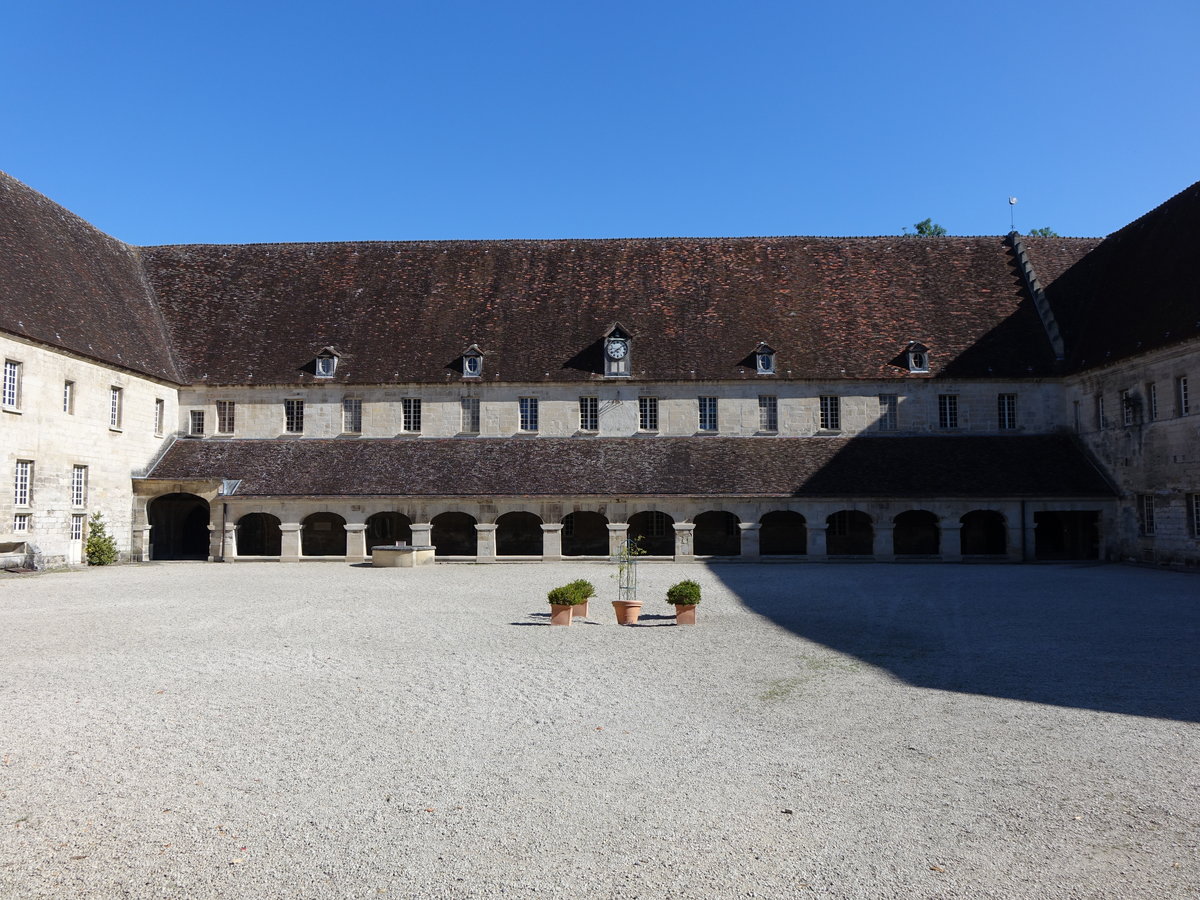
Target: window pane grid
{"type": "Point", "coordinates": [352, 415]}
{"type": "Point", "coordinates": [470, 415]}
{"type": "Point", "coordinates": [888, 418]}
{"type": "Point", "coordinates": [708, 413]}
{"type": "Point", "coordinates": [947, 411]}
{"type": "Point", "coordinates": [196, 422]}
{"type": "Point", "coordinates": [1152, 401]}
{"type": "Point", "coordinates": [831, 414]}
{"type": "Point", "coordinates": [648, 413]}
{"type": "Point", "coordinates": [160, 411]}
{"type": "Point", "coordinates": [293, 412]}
{"type": "Point", "coordinates": [77, 528]}
{"type": "Point", "coordinates": [1194, 514]}
{"type": "Point", "coordinates": [589, 413]}
{"type": "Point", "coordinates": [529, 413]}
{"type": "Point", "coordinates": [79, 486]}
{"type": "Point", "coordinates": [21, 480]}
{"type": "Point", "coordinates": [69, 397]}
{"type": "Point", "coordinates": [1181, 391]}
{"type": "Point", "coordinates": [768, 413]}
{"type": "Point", "coordinates": [411, 410]}
{"type": "Point", "coordinates": [114, 407]}
{"type": "Point", "coordinates": [1146, 514]}
{"type": "Point", "coordinates": [1006, 410]}
{"type": "Point", "coordinates": [11, 393]}
{"type": "Point", "coordinates": [225, 416]}
{"type": "Point", "coordinates": [21, 522]}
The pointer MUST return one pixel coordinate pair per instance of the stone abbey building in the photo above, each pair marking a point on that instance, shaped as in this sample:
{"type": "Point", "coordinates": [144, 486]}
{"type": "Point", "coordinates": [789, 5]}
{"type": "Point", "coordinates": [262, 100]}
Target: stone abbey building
{"type": "Point", "coordinates": [799, 398]}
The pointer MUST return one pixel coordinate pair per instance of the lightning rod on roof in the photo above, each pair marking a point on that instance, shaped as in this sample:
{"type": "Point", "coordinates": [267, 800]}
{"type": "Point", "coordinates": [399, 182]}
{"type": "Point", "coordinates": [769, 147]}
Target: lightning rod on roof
{"type": "Point", "coordinates": [1012, 219]}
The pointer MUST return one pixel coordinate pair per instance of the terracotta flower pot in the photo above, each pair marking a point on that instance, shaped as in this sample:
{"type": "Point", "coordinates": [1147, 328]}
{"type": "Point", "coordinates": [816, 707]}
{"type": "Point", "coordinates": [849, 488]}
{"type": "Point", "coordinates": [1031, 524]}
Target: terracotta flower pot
{"type": "Point", "coordinates": [560, 614]}
{"type": "Point", "coordinates": [685, 613]}
{"type": "Point", "coordinates": [627, 612]}
{"type": "Point", "coordinates": [579, 611]}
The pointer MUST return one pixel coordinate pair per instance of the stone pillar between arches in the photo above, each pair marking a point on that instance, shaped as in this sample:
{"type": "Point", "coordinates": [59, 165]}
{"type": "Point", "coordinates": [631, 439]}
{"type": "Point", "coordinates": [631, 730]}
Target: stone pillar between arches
{"type": "Point", "coordinates": [684, 532]}
{"type": "Point", "coordinates": [750, 542]}
{"type": "Point", "coordinates": [551, 541]}
{"type": "Point", "coordinates": [883, 547]}
{"type": "Point", "coordinates": [951, 542]}
{"type": "Point", "coordinates": [289, 542]}
{"type": "Point", "coordinates": [817, 549]}
{"type": "Point", "coordinates": [422, 534]}
{"type": "Point", "coordinates": [485, 551]}
{"type": "Point", "coordinates": [356, 542]}
{"type": "Point", "coordinates": [617, 535]}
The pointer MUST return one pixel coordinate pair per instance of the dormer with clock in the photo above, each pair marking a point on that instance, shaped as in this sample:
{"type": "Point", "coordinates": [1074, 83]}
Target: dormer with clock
{"type": "Point", "coordinates": [617, 353]}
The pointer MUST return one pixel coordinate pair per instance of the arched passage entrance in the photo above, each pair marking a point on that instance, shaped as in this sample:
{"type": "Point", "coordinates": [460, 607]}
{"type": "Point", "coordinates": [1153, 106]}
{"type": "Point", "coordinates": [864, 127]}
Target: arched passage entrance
{"type": "Point", "coordinates": [518, 534]}
{"type": "Point", "coordinates": [984, 533]}
{"type": "Point", "coordinates": [654, 531]}
{"type": "Point", "coordinates": [178, 527]}
{"type": "Point", "coordinates": [585, 534]}
{"type": "Point", "coordinates": [388, 528]}
{"type": "Point", "coordinates": [323, 534]}
{"type": "Point", "coordinates": [849, 533]}
{"type": "Point", "coordinates": [717, 534]}
{"type": "Point", "coordinates": [782, 533]}
{"type": "Point", "coordinates": [258, 534]}
{"type": "Point", "coordinates": [915, 533]}
{"type": "Point", "coordinates": [453, 534]}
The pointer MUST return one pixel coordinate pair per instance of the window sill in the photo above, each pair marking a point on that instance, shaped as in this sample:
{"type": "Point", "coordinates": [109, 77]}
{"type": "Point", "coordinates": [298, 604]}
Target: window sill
{"type": "Point", "coordinates": [116, 428]}
{"type": "Point", "coordinates": [15, 410]}
{"type": "Point", "coordinates": [767, 431]}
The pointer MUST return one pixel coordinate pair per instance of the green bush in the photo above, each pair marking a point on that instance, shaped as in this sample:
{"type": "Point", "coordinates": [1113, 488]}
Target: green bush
{"type": "Point", "coordinates": [572, 594]}
{"type": "Point", "coordinates": [583, 588]}
{"type": "Point", "coordinates": [685, 593]}
{"type": "Point", "coordinates": [101, 549]}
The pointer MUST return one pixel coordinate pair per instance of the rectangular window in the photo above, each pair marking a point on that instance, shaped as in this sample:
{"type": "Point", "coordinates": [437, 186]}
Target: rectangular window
{"type": "Point", "coordinates": [1181, 395]}
{"type": "Point", "coordinates": [11, 393]}
{"type": "Point", "coordinates": [293, 416]}
{"type": "Point", "coordinates": [1101, 416]}
{"type": "Point", "coordinates": [69, 397]}
{"type": "Point", "coordinates": [947, 410]}
{"type": "Point", "coordinates": [351, 415]}
{"type": "Point", "coordinates": [196, 422]}
{"type": "Point", "coordinates": [411, 409]}
{"type": "Point", "coordinates": [1145, 509]}
{"type": "Point", "coordinates": [1006, 411]}
{"type": "Point", "coordinates": [470, 415]}
{"type": "Point", "coordinates": [1152, 401]}
{"type": "Point", "coordinates": [116, 399]}
{"type": "Point", "coordinates": [768, 412]}
{"type": "Point", "coordinates": [831, 413]}
{"type": "Point", "coordinates": [708, 413]}
{"type": "Point", "coordinates": [22, 480]}
{"type": "Point", "coordinates": [160, 415]}
{"type": "Point", "coordinates": [79, 486]}
{"type": "Point", "coordinates": [226, 412]}
{"type": "Point", "coordinates": [77, 528]}
{"type": "Point", "coordinates": [1126, 409]}
{"type": "Point", "coordinates": [1194, 514]}
{"type": "Point", "coordinates": [589, 413]}
{"type": "Point", "coordinates": [21, 523]}
{"type": "Point", "coordinates": [647, 414]}
{"type": "Point", "coordinates": [529, 413]}
{"type": "Point", "coordinates": [889, 419]}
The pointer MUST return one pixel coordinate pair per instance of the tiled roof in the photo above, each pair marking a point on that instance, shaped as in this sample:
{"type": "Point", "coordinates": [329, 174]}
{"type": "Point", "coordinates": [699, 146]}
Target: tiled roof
{"type": "Point", "coordinates": [66, 284]}
{"type": "Point", "coordinates": [1137, 290]}
{"type": "Point", "coordinates": [911, 467]}
{"type": "Point", "coordinates": [696, 308]}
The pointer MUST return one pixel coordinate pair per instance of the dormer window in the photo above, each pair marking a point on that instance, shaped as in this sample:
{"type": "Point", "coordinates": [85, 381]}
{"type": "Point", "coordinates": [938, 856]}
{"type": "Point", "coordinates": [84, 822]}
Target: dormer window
{"type": "Point", "coordinates": [918, 358]}
{"type": "Point", "coordinates": [472, 362]}
{"type": "Point", "coordinates": [617, 352]}
{"type": "Point", "coordinates": [764, 359]}
{"type": "Point", "coordinates": [325, 364]}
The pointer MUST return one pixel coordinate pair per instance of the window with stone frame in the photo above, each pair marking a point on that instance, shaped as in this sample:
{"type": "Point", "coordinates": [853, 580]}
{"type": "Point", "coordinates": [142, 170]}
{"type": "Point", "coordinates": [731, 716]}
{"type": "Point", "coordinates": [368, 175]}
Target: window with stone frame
{"type": "Point", "coordinates": [947, 410]}
{"type": "Point", "coordinates": [69, 397]}
{"type": "Point", "coordinates": [470, 415]}
{"type": "Point", "coordinates": [1193, 502]}
{"type": "Point", "coordinates": [226, 416]}
{"type": "Point", "coordinates": [352, 415]}
{"type": "Point", "coordinates": [1006, 411]}
{"type": "Point", "coordinates": [196, 422]}
{"type": "Point", "coordinates": [647, 414]}
{"type": "Point", "coordinates": [10, 393]}
{"type": "Point", "coordinates": [21, 522]}
{"type": "Point", "coordinates": [831, 413]}
{"type": "Point", "coordinates": [589, 413]}
{"type": "Point", "coordinates": [527, 408]}
{"type": "Point", "coordinates": [79, 480]}
{"type": "Point", "coordinates": [23, 482]}
{"type": "Point", "coordinates": [1152, 401]}
{"type": "Point", "coordinates": [1145, 510]}
{"type": "Point", "coordinates": [410, 409]}
{"type": "Point", "coordinates": [77, 527]}
{"type": "Point", "coordinates": [293, 416]}
{"type": "Point", "coordinates": [1101, 415]}
{"type": "Point", "coordinates": [768, 412]}
{"type": "Point", "coordinates": [889, 412]}
{"type": "Point", "coordinates": [708, 414]}
{"type": "Point", "coordinates": [116, 403]}
{"type": "Point", "coordinates": [160, 415]}
{"type": "Point", "coordinates": [1126, 409]}
{"type": "Point", "coordinates": [1182, 401]}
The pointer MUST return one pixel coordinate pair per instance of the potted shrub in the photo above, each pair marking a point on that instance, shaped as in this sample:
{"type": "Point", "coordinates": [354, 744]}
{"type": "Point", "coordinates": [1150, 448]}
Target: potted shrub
{"type": "Point", "coordinates": [562, 601]}
{"type": "Point", "coordinates": [585, 589]}
{"type": "Point", "coordinates": [686, 597]}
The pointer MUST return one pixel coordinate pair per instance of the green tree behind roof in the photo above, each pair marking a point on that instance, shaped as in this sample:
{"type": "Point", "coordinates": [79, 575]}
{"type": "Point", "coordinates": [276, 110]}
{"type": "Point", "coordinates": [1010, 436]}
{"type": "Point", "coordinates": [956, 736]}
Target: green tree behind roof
{"type": "Point", "coordinates": [927, 228]}
{"type": "Point", "coordinates": [1044, 232]}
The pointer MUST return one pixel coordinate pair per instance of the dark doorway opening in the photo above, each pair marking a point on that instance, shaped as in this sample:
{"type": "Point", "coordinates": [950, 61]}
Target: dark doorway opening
{"type": "Point", "coordinates": [1066, 534]}
{"type": "Point", "coordinates": [849, 533]}
{"type": "Point", "coordinates": [585, 534]}
{"type": "Point", "coordinates": [518, 534]}
{"type": "Point", "coordinates": [387, 528]}
{"type": "Point", "coordinates": [654, 532]}
{"type": "Point", "coordinates": [454, 534]}
{"type": "Point", "coordinates": [178, 527]}
{"type": "Point", "coordinates": [984, 533]}
{"type": "Point", "coordinates": [258, 534]}
{"type": "Point", "coordinates": [915, 533]}
{"type": "Point", "coordinates": [782, 533]}
{"type": "Point", "coordinates": [323, 534]}
{"type": "Point", "coordinates": [717, 534]}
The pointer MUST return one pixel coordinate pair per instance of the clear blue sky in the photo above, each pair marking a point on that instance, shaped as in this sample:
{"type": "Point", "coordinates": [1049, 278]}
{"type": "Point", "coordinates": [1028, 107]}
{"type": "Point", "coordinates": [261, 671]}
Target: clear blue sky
{"type": "Point", "coordinates": [232, 122]}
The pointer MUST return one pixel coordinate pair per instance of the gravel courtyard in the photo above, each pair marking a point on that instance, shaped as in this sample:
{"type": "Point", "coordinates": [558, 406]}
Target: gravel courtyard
{"type": "Point", "coordinates": [323, 730]}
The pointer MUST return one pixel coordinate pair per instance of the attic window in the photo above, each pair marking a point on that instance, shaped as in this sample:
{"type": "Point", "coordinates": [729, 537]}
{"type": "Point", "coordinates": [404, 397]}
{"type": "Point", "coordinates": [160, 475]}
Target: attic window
{"type": "Point", "coordinates": [472, 362]}
{"type": "Point", "coordinates": [326, 366]}
{"type": "Point", "coordinates": [764, 360]}
{"type": "Point", "coordinates": [918, 358]}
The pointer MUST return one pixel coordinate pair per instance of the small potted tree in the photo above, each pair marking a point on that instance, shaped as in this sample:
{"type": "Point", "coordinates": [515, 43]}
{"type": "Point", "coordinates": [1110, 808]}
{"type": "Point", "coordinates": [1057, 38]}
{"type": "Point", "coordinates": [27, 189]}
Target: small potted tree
{"type": "Point", "coordinates": [686, 597]}
{"type": "Point", "coordinates": [585, 589]}
{"type": "Point", "coordinates": [563, 601]}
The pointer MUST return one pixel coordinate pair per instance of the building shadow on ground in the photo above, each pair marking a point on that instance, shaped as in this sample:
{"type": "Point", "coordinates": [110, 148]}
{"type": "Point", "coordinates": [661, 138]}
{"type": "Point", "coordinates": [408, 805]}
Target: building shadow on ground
{"type": "Point", "coordinates": [1108, 638]}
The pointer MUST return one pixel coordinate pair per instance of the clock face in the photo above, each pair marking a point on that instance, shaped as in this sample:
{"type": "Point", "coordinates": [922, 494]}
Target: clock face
{"type": "Point", "coordinates": [617, 348]}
